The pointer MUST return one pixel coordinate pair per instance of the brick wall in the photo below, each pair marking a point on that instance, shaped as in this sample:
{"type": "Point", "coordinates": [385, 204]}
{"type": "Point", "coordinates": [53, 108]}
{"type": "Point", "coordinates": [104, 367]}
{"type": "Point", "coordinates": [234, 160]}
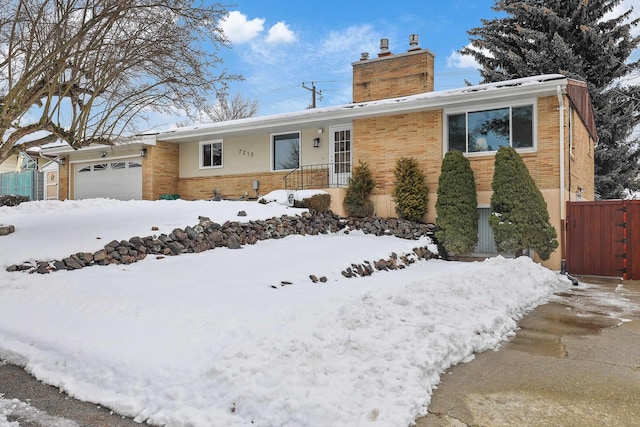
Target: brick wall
{"type": "Point", "coordinates": [160, 171]}
{"type": "Point", "coordinates": [63, 181]}
{"type": "Point", "coordinates": [543, 164]}
{"type": "Point", "coordinates": [231, 186]}
{"type": "Point", "coordinates": [581, 160]}
{"type": "Point", "coordinates": [392, 76]}
{"type": "Point", "coordinates": [381, 141]}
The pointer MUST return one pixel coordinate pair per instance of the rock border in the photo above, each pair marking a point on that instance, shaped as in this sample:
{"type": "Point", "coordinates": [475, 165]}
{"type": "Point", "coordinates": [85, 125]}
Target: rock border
{"type": "Point", "coordinates": [207, 235]}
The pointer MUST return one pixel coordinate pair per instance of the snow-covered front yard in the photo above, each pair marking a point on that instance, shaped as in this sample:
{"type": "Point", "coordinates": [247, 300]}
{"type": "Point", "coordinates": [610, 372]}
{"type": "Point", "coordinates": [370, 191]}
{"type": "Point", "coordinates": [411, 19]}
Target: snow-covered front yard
{"type": "Point", "coordinates": [206, 340]}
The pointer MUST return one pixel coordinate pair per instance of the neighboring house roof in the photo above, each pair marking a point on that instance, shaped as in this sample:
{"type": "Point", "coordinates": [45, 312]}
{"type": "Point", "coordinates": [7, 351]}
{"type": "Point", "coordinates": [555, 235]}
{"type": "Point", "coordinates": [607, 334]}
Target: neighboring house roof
{"type": "Point", "coordinates": [122, 143]}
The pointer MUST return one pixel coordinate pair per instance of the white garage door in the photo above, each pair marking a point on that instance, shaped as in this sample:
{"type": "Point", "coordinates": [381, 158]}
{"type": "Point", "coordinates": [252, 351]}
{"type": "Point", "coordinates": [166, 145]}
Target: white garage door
{"type": "Point", "coordinates": [120, 180]}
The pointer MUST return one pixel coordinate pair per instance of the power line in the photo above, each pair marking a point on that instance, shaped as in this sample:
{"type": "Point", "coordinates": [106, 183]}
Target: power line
{"type": "Point", "coordinates": [314, 92]}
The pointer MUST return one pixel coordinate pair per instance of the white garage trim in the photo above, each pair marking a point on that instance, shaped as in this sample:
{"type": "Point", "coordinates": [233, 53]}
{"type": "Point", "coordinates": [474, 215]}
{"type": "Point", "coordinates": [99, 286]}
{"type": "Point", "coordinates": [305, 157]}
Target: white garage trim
{"type": "Point", "coordinates": [114, 178]}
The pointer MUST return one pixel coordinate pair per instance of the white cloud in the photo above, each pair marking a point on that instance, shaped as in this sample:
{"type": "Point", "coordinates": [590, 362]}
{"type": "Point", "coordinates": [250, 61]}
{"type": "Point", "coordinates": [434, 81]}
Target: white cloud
{"type": "Point", "coordinates": [354, 40]}
{"type": "Point", "coordinates": [456, 60]}
{"type": "Point", "coordinates": [239, 29]}
{"type": "Point", "coordinates": [280, 33]}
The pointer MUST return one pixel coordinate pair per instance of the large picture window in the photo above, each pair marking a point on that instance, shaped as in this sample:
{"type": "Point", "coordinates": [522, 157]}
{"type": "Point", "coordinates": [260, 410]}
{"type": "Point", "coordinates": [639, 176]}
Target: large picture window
{"type": "Point", "coordinates": [488, 130]}
{"type": "Point", "coordinates": [286, 151]}
{"type": "Point", "coordinates": [210, 154]}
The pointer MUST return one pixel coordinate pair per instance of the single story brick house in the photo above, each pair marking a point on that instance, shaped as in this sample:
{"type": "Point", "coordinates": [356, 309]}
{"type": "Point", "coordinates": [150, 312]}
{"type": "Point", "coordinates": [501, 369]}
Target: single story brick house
{"type": "Point", "coordinates": [395, 112]}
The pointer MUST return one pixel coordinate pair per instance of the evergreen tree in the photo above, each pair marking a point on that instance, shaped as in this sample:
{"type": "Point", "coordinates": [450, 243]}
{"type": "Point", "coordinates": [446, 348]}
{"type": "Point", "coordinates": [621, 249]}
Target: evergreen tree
{"type": "Point", "coordinates": [519, 216]}
{"type": "Point", "coordinates": [361, 184]}
{"type": "Point", "coordinates": [580, 40]}
{"type": "Point", "coordinates": [410, 193]}
{"type": "Point", "coordinates": [457, 205]}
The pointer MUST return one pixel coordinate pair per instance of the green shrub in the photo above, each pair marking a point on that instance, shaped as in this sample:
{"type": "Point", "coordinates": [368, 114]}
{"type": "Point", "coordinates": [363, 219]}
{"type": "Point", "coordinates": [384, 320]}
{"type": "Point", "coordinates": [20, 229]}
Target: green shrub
{"type": "Point", "coordinates": [317, 203]}
{"type": "Point", "coordinates": [410, 193]}
{"type": "Point", "coordinates": [361, 185]}
{"type": "Point", "coordinates": [457, 205]}
{"type": "Point", "coordinates": [519, 216]}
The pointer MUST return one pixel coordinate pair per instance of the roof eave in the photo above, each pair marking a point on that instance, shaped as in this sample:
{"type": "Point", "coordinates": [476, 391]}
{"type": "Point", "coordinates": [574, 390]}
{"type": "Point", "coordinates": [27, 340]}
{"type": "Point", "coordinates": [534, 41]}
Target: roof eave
{"type": "Point", "coordinates": [350, 112]}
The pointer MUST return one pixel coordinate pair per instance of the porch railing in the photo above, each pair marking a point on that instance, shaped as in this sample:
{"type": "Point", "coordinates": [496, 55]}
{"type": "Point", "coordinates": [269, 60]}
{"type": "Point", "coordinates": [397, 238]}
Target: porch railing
{"type": "Point", "coordinates": [326, 175]}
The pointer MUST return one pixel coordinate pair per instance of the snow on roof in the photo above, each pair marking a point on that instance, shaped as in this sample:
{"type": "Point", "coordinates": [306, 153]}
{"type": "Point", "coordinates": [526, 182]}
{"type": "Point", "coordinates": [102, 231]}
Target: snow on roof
{"type": "Point", "coordinates": [370, 108]}
{"type": "Point", "coordinates": [311, 117]}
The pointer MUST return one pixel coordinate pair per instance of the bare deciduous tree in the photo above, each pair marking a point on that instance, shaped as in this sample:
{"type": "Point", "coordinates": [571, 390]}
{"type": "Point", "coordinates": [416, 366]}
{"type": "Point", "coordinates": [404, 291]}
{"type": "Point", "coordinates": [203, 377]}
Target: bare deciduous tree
{"type": "Point", "coordinates": [236, 108]}
{"type": "Point", "coordinates": [83, 71]}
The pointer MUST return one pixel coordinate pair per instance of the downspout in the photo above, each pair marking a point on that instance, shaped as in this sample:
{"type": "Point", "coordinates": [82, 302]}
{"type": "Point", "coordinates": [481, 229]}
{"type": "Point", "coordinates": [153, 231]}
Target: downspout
{"type": "Point", "coordinates": [561, 115]}
{"type": "Point", "coordinates": [51, 159]}
{"type": "Point", "coordinates": [563, 263]}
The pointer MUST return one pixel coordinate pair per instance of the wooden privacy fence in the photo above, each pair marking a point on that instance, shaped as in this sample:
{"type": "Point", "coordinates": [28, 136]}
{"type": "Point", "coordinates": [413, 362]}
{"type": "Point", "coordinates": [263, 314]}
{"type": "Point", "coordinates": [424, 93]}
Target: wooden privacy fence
{"type": "Point", "coordinates": [603, 238]}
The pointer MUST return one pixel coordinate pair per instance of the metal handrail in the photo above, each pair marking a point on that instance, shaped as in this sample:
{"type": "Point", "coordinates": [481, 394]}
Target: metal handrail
{"type": "Point", "coordinates": [324, 175]}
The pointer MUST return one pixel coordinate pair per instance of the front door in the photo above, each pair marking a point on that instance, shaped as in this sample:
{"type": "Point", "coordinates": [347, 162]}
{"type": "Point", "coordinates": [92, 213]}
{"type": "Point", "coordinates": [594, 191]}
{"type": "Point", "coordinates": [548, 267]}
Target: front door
{"type": "Point", "coordinates": [51, 186]}
{"type": "Point", "coordinates": [340, 143]}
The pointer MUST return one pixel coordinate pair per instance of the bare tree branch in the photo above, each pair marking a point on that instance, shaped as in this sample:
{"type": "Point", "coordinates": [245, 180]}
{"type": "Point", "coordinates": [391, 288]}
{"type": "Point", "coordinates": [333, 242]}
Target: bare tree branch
{"type": "Point", "coordinates": [82, 70]}
{"type": "Point", "coordinates": [237, 108]}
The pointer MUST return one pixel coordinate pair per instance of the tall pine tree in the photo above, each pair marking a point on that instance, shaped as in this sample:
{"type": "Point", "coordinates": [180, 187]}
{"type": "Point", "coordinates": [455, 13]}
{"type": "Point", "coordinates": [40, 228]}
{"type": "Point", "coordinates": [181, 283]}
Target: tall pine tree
{"type": "Point", "coordinates": [582, 40]}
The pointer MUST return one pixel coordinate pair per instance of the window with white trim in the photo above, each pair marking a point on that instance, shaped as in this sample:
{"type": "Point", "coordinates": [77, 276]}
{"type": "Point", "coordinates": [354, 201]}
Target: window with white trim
{"type": "Point", "coordinates": [210, 154]}
{"type": "Point", "coordinates": [488, 130]}
{"type": "Point", "coordinates": [285, 151]}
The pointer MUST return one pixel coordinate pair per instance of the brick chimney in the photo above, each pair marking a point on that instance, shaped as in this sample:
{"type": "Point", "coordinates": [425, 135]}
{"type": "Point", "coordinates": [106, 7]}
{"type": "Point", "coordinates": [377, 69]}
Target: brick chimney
{"type": "Point", "coordinates": [393, 75]}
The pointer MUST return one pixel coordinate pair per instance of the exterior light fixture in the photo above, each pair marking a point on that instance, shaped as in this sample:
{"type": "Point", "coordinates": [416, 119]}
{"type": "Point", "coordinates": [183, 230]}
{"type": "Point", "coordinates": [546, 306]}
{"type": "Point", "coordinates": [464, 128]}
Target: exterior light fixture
{"type": "Point", "coordinates": [316, 142]}
{"type": "Point", "coordinates": [143, 152]}
{"type": "Point", "coordinates": [62, 161]}
{"type": "Point", "coordinates": [103, 154]}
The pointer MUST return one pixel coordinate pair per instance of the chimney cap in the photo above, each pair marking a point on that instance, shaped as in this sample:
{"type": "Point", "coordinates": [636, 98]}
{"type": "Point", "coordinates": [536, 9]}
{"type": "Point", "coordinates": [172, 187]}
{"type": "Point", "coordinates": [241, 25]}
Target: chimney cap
{"type": "Point", "coordinates": [413, 42]}
{"type": "Point", "coordinates": [384, 48]}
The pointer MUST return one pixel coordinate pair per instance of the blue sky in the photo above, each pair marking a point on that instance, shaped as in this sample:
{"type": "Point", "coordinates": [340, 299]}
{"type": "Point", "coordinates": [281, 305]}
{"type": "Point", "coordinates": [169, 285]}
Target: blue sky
{"type": "Point", "coordinates": [278, 44]}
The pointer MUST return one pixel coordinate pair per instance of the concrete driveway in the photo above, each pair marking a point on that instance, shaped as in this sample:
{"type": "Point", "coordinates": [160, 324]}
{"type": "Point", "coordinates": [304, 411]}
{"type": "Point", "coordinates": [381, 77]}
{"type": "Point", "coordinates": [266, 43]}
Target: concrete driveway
{"type": "Point", "coordinates": [574, 362]}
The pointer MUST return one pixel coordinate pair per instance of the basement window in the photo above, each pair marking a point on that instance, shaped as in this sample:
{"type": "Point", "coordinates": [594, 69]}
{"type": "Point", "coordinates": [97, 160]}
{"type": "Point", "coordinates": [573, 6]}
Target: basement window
{"type": "Point", "coordinates": [487, 130]}
{"type": "Point", "coordinates": [210, 154]}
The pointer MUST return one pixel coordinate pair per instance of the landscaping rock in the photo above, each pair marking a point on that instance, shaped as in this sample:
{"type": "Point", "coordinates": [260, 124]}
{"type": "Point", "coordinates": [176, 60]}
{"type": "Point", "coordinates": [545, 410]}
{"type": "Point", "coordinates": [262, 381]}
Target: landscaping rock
{"type": "Point", "coordinates": [72, 264]}
{"type": "Point", "coordinates": [5, 230]}
{"type": "Point", "coordinates": [208, 235]}
{"type": "Point", "coordinates": [233, 242]}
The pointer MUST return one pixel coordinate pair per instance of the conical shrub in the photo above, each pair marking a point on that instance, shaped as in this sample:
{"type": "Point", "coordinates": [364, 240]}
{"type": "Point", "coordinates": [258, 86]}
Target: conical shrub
{"type": "Point", "coordinates": [457, 205]}
{"type": "Point", "coordinates": [361, 185]}
{"type": "Point", "coordinates": [519, 215]}
{"type": "Point", "coordinates": [410, 193]}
